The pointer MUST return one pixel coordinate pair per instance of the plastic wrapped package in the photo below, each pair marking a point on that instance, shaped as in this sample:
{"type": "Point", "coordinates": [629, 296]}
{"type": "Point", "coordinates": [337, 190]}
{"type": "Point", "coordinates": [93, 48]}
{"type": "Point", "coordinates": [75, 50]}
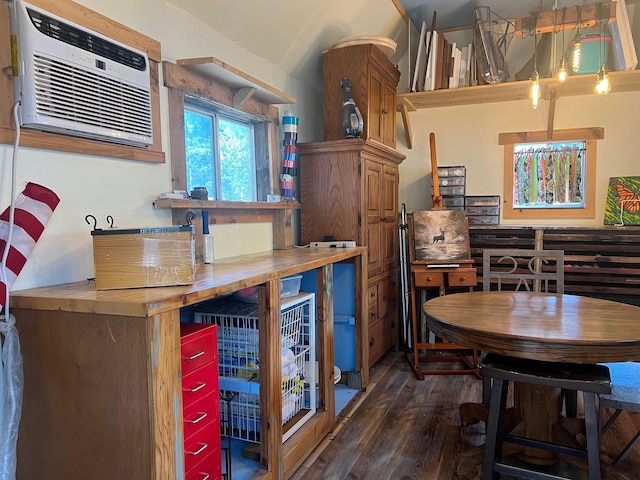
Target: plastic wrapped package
{"type": "Point", "coordinates": [12, 386]}
{"type": "Point", "coordinates": [144, 257]}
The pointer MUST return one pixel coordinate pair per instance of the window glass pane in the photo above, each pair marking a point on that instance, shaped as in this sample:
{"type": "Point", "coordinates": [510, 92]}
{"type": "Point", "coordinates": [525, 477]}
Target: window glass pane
{"type": "Point", "coordinates": [198, 133]}
{"type": "Point", "coordinates": [549, 175]}
{"type": "Point", "coordinates": [237, 165]}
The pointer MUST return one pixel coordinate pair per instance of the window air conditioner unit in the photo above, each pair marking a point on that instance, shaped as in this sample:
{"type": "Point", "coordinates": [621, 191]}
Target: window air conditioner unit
{"type": "Point", "coordinates": [74, 81]}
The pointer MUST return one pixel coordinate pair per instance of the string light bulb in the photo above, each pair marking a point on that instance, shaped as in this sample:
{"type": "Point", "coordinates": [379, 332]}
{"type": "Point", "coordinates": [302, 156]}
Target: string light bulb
{"type": "Point", "coordinates": [576, 52]}
{"type": "Point", "coordinates": [562, 72]}
{"type": "Point", "coordinates": [603, 85]}
{"type": "Point", "coordinates": [534, 92]}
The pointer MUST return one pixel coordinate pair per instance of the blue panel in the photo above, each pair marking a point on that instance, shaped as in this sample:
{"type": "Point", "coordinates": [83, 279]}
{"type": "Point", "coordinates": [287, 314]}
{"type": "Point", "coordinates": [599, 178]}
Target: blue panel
{"type": "Point", "coordinates": [344, 307]}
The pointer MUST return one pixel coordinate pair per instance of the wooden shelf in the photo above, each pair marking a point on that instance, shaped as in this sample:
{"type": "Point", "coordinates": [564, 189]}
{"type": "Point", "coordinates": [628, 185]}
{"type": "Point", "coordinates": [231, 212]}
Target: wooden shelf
{"type": "Point", "coordinates": [245, 85]}
{"type": "Point", "coordinates": [205, 204]}
{"type": "Point", "coordinates": [506, 92]}
{"type": "Point", "coordinates": [279, 214]}
{"type": "Point", "coordinates": [551, 90]}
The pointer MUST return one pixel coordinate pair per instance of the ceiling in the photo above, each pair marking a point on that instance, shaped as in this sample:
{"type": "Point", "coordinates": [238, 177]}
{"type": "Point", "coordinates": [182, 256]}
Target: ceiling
{"type": "Point", "coordinates": [293, 34]}
{"type": "Point", "coordinates": [459, 13]}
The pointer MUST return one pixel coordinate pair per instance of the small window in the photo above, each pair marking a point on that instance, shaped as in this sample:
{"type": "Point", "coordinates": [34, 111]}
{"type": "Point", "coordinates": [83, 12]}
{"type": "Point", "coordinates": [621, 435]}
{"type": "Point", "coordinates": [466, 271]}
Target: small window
{"type": "Point", "coordinates": [220, 151]}
{"type": "Point", "coordinates": [550, 177]}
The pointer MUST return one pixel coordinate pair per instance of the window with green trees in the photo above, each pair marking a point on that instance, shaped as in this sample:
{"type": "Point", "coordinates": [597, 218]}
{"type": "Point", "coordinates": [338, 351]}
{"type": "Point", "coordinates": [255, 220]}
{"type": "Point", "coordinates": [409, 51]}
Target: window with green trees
{"type": "Point", "coordinates": [220, 152]}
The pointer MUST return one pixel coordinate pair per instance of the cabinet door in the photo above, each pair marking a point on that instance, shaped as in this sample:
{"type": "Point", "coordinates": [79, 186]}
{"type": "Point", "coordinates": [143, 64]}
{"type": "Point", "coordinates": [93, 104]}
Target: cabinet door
{"type": "Point", "coordinates": [389, 201]}
{"type": "Point", "coordinates": [388, 117]}
{"type": "Point", "coordinates": [374, 208]}
{"type": "Point", "coordinates": [376, 97]}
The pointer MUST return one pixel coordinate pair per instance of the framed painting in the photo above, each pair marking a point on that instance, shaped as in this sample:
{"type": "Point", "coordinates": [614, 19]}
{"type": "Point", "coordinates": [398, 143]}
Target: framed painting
{"type": "Point", "coordinates": [623, 201]}
{"type": "Point", "coordinates": [440, 236]}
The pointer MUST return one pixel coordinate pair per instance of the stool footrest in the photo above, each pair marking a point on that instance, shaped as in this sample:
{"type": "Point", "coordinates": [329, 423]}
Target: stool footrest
{"type": "Point", "coordinates": [552, 447]}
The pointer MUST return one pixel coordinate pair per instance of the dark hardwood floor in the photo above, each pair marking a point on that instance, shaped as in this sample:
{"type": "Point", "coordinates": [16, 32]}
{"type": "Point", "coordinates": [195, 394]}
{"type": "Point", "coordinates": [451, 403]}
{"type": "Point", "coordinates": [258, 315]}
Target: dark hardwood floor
{"type": "Point", "coordinates": [401, 428]}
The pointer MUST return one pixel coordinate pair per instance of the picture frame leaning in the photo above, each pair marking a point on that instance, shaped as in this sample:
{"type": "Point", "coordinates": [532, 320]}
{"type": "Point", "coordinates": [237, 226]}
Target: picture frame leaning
{"type": "Point", "coordinates": [440, 237]}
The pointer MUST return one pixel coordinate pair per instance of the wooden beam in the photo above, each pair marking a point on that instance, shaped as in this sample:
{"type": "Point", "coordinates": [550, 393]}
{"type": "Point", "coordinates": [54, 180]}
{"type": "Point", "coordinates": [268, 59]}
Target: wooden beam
{"type": "Point", "coordinates": [241, 96]}
{"type": "Point", "coordinates": [577, 16]}
{"type": "Point", "coordinates": [552, 113]}
{"type": "Point", "coordinates": [407, 125]}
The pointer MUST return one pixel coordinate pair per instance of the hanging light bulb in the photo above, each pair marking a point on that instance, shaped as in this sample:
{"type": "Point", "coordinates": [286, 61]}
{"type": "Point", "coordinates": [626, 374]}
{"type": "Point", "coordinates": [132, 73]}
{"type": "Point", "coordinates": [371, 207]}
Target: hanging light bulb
{"type": "Point", "coordinates": [576, 53]}
{"type": "Point", "coordinates": [562, 72]}
{"type": "Point", "coordinates": [534, 92]}
{"type": "Point", "coordinates": [603, 85]}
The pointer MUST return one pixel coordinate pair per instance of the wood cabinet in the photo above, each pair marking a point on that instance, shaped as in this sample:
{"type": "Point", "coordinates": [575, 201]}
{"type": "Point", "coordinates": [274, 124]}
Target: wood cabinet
{"type": "Point", "coordinates": [349, 191]}
{"type": "Point", "coordinates": [373, 81]}
{"type": "Point", "coordinates": [103, 371]}
{"type": "Point", "coordinates": [200, 401]}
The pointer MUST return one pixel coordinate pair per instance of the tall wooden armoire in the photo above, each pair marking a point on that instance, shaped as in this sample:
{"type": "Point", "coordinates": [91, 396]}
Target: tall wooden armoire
{"type": "Point", "coordinates": [349, 191]}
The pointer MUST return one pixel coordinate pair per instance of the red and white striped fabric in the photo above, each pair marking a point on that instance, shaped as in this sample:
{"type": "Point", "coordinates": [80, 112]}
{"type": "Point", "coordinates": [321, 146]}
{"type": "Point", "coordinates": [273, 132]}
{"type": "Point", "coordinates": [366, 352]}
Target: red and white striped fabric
{"type": "Point", "coordinates": [33, 209]}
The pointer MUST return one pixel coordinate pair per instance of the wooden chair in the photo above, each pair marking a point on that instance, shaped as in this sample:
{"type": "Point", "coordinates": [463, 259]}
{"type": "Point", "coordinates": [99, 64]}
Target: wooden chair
{"type": "Point", "coordinates": [591, 380]}
{"type": "Point", "coordinates": [523, 270]}
{"type": "Point", "coordinates": [625, 395]}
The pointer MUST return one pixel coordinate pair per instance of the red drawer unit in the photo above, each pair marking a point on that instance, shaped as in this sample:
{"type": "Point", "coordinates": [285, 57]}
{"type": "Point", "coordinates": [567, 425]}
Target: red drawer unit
{"type": "Point", "coordinates": [200, 401]}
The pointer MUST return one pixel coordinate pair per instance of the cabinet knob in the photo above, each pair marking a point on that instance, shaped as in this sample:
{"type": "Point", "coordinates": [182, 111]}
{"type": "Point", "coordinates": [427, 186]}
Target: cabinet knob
{"type": "Point", "coordinates": [429, 279]}
{"type": "Point", "coordinates": [463, 278]}
{"type": "Point", "coordinates": [385, 111]}
{"type": "Point", "coordinates": [372, 341]}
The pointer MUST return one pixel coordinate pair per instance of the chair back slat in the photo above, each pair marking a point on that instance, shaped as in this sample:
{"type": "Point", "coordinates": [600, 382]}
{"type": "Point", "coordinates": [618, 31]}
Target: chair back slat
{"type": "Point", "coordinates": [528, 270]}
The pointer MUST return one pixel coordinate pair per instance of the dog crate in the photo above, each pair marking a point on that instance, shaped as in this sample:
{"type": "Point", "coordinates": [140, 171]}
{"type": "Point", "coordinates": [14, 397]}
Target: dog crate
{"type": "Point", "coordinates": [239, 364]}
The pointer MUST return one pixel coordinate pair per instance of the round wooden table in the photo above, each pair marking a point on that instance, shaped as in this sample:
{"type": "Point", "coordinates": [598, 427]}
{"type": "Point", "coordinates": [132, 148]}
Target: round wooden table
{"type": "Point", "coordinates": [537, 326]}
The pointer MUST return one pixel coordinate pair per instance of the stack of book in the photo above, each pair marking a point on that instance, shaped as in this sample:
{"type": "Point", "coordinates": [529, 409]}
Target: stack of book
{"type": "Point", "coordinates": [441, 63]}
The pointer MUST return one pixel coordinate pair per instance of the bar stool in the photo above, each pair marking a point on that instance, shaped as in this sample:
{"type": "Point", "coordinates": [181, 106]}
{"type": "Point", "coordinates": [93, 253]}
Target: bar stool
{"type": "Point", "coordinates": [591, 380]}
{"type": "Point", "coordinates": [625, 395]}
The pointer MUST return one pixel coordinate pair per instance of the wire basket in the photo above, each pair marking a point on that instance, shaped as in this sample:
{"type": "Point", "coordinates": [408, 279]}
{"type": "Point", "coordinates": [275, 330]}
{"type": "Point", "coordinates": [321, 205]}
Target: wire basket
{"type": "Point", "coordinates": [239, 364]}
{"type": "Point", "coordinates": [492, 36]}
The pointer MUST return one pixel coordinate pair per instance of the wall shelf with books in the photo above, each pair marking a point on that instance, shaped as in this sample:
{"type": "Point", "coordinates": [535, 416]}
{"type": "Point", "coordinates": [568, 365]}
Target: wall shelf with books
{"type": "Point", "coordinates": [625, 81]}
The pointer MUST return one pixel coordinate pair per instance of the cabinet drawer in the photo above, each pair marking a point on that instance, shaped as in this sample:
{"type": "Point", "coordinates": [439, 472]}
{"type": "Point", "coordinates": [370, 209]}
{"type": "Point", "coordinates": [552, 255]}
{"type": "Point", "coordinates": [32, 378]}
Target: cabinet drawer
{"type": "Point", "coordinates": [373, 314]}
{"type": "Point", "coordinates": [199, 384]}
{"type": "Point", "coordinates": [198, 347]}
{"type": "Point", "coordinates": [462, 278]}
{"type": "Point", "coordinates": [210, 468]}
{"type": "Point", "coordinates": [372, 295]}
{"type": "Point", "coordinates": [205, 410]}
{"type": "Point", "coordinates": [200, 444]}
{"type": "Point", "coordinates": [429, 279]}
{"type": "Point", "coordinates": [379, 341]}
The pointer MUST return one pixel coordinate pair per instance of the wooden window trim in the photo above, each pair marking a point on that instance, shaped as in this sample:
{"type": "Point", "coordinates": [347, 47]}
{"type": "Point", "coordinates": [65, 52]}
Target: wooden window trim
{"type": "Point", "coordinates": [181, 81]}
{"type": "Point", "coordinates": [589, 135]}
{"type": "Point", "coordinates": [81, 15]}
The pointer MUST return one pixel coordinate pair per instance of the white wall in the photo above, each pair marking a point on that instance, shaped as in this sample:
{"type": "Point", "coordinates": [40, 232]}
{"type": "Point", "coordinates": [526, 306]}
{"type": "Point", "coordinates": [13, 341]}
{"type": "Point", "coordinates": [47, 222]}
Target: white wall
{"type": "Point", "coordinates": [126, 189]}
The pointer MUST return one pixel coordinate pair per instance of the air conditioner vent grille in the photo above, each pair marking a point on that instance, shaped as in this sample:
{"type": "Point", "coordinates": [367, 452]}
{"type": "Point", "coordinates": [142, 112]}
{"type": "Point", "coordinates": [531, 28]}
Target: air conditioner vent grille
{"type": "Point", "coordinates": [67, 92]}
{"type": "Point", "coordinates": [71, 35]}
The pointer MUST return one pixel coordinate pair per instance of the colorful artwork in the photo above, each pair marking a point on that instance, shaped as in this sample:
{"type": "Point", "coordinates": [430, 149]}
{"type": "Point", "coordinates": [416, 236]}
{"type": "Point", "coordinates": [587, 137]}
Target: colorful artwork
{"type": "Point", "coordinates": [440, 236]}
{"type": "Point", "coordinates": [623, 201]}
{"type": "Point", "coordinates": [548, 175]}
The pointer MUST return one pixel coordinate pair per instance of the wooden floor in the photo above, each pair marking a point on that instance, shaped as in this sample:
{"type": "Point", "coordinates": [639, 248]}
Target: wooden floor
{"type": "Point", "coordinates": [401, 428]}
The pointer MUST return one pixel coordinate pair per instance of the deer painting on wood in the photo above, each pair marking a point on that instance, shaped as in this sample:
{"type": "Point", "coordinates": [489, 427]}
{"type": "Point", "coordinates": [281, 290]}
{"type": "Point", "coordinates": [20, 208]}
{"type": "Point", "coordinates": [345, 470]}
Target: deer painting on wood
{"type": "Point", "coordinates": [440, 236]}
